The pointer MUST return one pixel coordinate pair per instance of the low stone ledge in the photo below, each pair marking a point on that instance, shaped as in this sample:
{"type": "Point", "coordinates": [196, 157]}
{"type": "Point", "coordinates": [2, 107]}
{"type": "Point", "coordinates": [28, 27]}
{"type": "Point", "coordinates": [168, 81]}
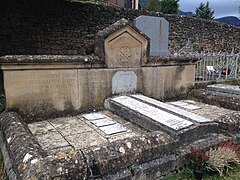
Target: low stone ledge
{"type": "Point", "coordinates": [170, 60]}
{"type": "Point", "coordinates": [122, 154]}
{"type": "Point", "coordinates": [215, 98]}
{"type": "Point", "coordinates": [22, 147]}
{"type": "Point", "coordinates": [29, 160]}
{"type": "Point", "coordinates": [49, 59]}
{"type": "Point", "coordinates": [230, 122]}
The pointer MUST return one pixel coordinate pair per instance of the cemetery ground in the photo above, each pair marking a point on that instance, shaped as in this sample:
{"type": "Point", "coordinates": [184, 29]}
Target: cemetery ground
{"type": "Point", "coordinates": [186, 173]}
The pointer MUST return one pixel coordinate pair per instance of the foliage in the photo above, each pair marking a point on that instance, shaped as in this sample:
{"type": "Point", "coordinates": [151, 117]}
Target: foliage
{"type": "Point", "coordinates": [153, 5]}
{"type": "Point", "coordinates": [169, 6]}
{"type": "Point", "coordinates": [185, 174]}
{"type": "Point", "coordinates": [132, 169]}
{"type": "Point", "coordinates": [199, 160]}
{"type": "Point", "coordinates": [204, 11]}
{"type": "Point", "coordinates": [222, 157]}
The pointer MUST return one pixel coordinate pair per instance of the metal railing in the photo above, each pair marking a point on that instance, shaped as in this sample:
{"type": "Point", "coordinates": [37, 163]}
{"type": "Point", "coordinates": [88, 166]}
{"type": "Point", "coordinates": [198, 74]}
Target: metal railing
{"type": "Point", "coordinates": [217, 66]}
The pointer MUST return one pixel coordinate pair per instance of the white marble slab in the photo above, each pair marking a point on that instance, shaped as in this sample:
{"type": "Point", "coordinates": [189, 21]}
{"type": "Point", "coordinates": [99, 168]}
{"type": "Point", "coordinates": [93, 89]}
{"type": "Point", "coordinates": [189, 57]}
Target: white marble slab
{"type": "Point", "coordinates": [103, 122]}
{"type": "Point", "coordinates": [112, 129]}
{"type": "Point", "coordinates": [190, 115]}
{"type": "Point", "coordinates": [94, 116]}
{"type": "Point", "coordinates": [165, 118]}
{"type": "Point", "coordinates": [185, 105]}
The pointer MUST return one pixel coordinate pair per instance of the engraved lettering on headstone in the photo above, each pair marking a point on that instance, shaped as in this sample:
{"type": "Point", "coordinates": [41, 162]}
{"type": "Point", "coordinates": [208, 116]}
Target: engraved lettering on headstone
{"type": "Point", "coordinates": [123, 82]}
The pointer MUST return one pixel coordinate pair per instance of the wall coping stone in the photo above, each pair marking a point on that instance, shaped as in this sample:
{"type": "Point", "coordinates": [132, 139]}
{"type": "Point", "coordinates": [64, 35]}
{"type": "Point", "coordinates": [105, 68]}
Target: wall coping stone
{"type": "Point", "coordinates": [90, 60]}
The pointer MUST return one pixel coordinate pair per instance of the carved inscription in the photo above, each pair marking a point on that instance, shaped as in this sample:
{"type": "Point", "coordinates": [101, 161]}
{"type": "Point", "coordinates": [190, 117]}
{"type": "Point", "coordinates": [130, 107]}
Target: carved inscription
{"type": "Point", "coordinates": [124, 55]}
{"type": "Point", "coordinates": [55, 87]}
{"type": "Point", "coordinates": [123, 82]}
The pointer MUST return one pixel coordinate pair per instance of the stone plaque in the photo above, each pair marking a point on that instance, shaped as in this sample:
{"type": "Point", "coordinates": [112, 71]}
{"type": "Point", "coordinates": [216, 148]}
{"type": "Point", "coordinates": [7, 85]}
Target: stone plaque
{"type": "Point", "coordinates": [164, 118]}
{"type": "Point", "coordinates": [157, 29]}
{"type": "Point", "coordinates": [112, 129]}
{"type": "Point", "coordinates": [94, 116]}
{"type": "Point", "coordinates": [124, 82]}
{"type": "Point", "coordinates": [103, 122]}
{"type": "Point", "coordinates": [40, 90]}
{"type": "Point", "coordinates": [125, 48]}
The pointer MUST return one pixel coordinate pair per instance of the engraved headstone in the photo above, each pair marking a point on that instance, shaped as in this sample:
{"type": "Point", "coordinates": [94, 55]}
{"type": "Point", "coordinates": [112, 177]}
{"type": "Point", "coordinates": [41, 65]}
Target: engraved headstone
{"type": "Point", "coordinates": [157, 29]}
{"type": "Point", "coordinates": [124, 82]}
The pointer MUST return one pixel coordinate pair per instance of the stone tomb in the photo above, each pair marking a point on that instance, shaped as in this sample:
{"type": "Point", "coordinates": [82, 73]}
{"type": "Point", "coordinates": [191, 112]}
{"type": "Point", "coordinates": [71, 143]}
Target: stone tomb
{"type": "Point", "coordinates": [49, 85]}
{"type": "Point", "coordinates": [157, 29]}
{"type": "Point", "coordinates": [154, 115]}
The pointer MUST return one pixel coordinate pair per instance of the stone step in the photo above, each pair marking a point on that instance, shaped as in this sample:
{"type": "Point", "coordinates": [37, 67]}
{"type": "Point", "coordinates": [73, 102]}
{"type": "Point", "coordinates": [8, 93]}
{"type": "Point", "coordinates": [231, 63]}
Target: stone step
{"type": "Point", "coordinates": [153, 115]}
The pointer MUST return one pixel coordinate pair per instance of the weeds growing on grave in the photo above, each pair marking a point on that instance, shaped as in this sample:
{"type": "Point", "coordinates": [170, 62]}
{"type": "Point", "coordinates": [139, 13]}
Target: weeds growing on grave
{"type": "Point", "coordinates": [223, 157]}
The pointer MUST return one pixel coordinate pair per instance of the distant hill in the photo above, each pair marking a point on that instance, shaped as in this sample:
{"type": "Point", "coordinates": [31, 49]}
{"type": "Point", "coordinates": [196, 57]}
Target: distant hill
{"type": "Point", "coordinates": [229, 20]}
{"type": "Point", "coordinates": [185, 13]}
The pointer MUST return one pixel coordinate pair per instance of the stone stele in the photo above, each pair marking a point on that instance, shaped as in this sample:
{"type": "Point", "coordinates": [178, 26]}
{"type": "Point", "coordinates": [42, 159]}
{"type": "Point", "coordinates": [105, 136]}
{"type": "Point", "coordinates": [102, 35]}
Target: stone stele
{"type": "Point", "coordinates": [125, 48]}
{"type": "Point", "coordinates": [157, 29]}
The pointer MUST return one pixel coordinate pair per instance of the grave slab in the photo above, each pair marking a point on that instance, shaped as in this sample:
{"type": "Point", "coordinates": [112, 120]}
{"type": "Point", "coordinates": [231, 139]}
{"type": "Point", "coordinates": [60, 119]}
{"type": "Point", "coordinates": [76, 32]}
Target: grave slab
{"type": "Point", "coordinates": [86, 139]}
{"type": "Point", "coordinates": [225, 88]}
{"type": "Point", "coordinates": [157, 29]}
{"type": "Point", "coordinates": [172, 109]}
{"type": "Point", "coordinates": [157, 117]}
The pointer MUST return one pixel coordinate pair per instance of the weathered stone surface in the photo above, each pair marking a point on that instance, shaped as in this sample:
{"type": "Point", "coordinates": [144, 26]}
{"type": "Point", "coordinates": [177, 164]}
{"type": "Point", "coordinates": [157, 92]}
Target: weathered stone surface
{"type": "Point", "coordinates": [225, 100]}
{"type": "Point", "coordinates": [172, 109]}
{"type": "Point", "coordinates": [42, 90]}
{"type": "Point", "coordinates": [121, 45]}
{"type": "Point", "coordinates": [124, 82]}
{"type": "Point", "coordinates": [161, 87]}
{"type": "Point", "coordinates": [157, 29]}
{"type": "Point", "coordinates": [62, 89]}
{"type": "Point", "coordinates": [185, 105]}
{"type": "Point", "coordinates": [151, 154]}
{"type": "Point", "coordinates": [48, 59]}
{"type": "Point", "coordinates": [154, 116]}
{"type": "Point", "coordinates": [231, 89]}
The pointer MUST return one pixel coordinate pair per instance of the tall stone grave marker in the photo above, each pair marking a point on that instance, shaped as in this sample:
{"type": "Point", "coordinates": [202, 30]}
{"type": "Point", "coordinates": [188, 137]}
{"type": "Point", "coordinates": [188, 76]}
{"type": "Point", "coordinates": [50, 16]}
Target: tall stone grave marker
{"type": "Point", "coordinates": [157, 29]}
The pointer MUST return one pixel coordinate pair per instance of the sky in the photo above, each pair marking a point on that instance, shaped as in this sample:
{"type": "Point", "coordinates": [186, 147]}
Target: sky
{"type": "Point", "coordinates": [221, 7]}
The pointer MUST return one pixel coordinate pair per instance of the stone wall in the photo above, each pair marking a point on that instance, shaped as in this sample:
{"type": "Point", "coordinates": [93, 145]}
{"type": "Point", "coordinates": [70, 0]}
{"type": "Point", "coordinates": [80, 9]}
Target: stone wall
{"type": "Point", "coordinates": [61, 27]}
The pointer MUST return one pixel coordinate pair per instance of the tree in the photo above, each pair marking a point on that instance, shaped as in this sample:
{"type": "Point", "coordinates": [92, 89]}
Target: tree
{"type": "Point", "coordinates": [204, 11]}
{"type": "Point", "coordinates": [153, 5]}
{"type": "Point", "coordinates": [169, 6]}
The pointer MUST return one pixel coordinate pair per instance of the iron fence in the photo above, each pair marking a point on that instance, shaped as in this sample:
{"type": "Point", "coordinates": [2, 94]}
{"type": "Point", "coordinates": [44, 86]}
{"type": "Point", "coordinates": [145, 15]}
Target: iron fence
{"type": "Point", "coordinates": [217, 66]}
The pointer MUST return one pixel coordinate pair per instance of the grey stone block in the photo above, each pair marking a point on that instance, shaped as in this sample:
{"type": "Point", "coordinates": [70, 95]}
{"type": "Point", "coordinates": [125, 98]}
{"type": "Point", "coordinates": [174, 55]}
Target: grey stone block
{"type": "Point", "coordinates": [157, 29]}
